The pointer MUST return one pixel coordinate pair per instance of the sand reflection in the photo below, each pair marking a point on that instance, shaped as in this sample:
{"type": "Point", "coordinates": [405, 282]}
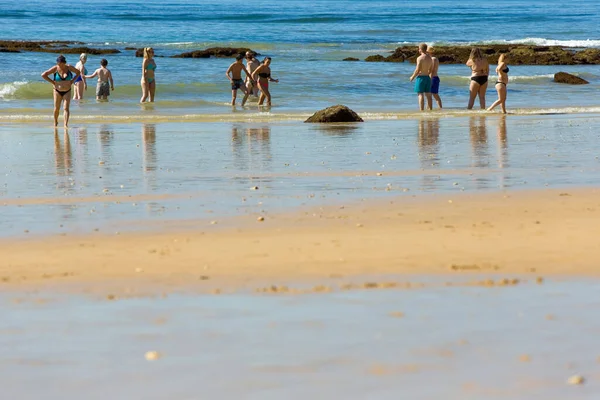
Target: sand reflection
{"type": "Point", "coordinates": [251, 147]}
{"type": "Point", "coordinates": [428, 147]}
{"type": "Point", "coordinates": [479, 141]}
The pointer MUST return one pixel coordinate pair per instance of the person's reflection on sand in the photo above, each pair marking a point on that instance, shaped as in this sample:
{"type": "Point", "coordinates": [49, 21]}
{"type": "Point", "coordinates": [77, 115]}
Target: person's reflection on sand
{"type": "Point", "coordinates": [149, 147]}
{"type": "Point", "coordinates": [428, 145]}
{"type": "Point", "coordinates": [429, 134]}
{"type": "Point", "coordinates": [63, 160]}
{"type": "Point", "coordinates": [62, 154]}
{"type": "Point", "coordinates": [82, 137]}
{"type": "Point", "coordinates": [502, 143]}
{"type": "Point", "coordinates": [251, 148]}
{"type": "Point", "coordinates": [478, 134]}
{"type": "Point", "coordinates": [502, 150]}
{"type": "Point", "coordinates": [105, 136]}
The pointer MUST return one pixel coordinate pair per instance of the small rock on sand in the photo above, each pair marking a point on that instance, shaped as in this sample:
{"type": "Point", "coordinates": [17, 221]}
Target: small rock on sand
{"type": "Point", "coordinates": [576, 380]}
{"type": "Point", "coordinates": [152, 355]}
{"type": "Point", "coordinates": [260, 219]}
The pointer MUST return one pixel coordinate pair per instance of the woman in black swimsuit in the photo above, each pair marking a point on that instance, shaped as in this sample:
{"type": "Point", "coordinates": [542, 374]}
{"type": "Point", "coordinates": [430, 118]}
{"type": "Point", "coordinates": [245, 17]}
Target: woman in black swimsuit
{"type": "Point", "coordinates": [480, 69]}
{"type": "Point", "coordinates": [64, 75]}
{"type": "Point", "coordinates": [502, 71]}
{"type": "Point", "coordinates": [264, 77]}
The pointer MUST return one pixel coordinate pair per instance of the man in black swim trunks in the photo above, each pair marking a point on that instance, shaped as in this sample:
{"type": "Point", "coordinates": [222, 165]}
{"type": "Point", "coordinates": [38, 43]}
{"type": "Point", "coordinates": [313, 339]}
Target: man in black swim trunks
{"type": "Point", "coordinates": [236, 79]}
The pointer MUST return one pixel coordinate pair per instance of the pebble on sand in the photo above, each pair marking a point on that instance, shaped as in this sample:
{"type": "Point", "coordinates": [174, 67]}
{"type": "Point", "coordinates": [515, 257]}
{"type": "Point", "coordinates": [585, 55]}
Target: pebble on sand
{"type": "Point", "coordinates": [152, 355]}
{"type": "Point", "coordinates": [260, 219]}
{"type": "Point", "coordinates": [254, 188]}
{"type": "Point", "coordinates": [576, 380]}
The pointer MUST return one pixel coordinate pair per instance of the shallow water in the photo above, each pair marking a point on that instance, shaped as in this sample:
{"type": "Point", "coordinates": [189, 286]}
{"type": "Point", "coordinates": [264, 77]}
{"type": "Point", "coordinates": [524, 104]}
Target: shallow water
{"type": "Point", "coordinates": [107, 176]}
{"type": "Point", "coordinates": [451, 343]}
{"type": "Point", "coordinates": [307, 40]}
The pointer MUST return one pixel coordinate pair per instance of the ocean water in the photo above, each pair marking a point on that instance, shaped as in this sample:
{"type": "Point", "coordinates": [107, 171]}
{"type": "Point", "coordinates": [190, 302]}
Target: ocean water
{"type": "Point", "coordinates": [307, 41]}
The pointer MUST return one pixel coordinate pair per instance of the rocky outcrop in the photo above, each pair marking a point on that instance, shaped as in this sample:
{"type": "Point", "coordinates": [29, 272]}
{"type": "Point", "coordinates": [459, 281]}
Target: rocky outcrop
{"type": "Point", "coordinates": [219, 52]}
{"type": "Point", "coordinates": [563, 77]}
{"type": "Point", "coordinates": [62, 47]}
{"type": "Point", "coordinates": [350, 59]}
{"type": "Point", "coordinates": [338, 113]}
{"type": "Point", "coordinates": [375, 58]}
{"type": "Point", "coordinates": [518, 54]}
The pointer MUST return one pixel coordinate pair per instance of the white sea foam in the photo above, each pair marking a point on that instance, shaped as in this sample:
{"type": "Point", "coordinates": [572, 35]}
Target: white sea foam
{"type": "Point", "coordinates": [582, 43]}
{"type": "Point", "coordinates": [548, 42]}
{"type": "Point", "coordinates": [9, 89]}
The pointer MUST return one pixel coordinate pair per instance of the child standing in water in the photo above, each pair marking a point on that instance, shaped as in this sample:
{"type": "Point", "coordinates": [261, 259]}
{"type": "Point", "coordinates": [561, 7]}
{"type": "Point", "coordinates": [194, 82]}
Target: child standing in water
{"type": "Point", "coordinates": [104, 75]}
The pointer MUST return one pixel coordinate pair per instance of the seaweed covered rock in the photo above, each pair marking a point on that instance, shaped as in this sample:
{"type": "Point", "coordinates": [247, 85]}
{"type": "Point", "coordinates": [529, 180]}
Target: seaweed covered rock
{"type": "Point", "coordinates": [63, 47]}
{"type": "Point", "coordinates": [563, 77]}
{"type": "Point", "coordinates": [219, 52]}
{"type": "Point", "coordinates": [350, 59]}
{"type": "Point", "coordinates": [338, 113]}
{"type": "Point", "coordinates": [518, 54]}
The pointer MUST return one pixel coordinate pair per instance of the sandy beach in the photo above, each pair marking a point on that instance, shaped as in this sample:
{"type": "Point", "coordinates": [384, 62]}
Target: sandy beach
{"type": "Point", "coordinates": [534, 233]}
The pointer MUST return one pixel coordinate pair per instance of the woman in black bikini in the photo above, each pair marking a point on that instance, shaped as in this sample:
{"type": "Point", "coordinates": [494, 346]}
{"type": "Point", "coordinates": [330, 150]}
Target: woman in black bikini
{"type": "Point", "coordinates": [480, 69]}
{"type": "Point", "coordinates": [64, 75]}
{"type": "Point", "coordinates": [502, 71]}
{"type": "Point", "coordinates": [264, 77]}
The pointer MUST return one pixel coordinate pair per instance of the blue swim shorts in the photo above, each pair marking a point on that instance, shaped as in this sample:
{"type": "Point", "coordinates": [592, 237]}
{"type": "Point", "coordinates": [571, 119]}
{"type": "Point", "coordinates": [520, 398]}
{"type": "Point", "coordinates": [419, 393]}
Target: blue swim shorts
{"type": "Point", "coordinates": [423, 84]}
{"type": "Point", "coordinates": [435, 85]}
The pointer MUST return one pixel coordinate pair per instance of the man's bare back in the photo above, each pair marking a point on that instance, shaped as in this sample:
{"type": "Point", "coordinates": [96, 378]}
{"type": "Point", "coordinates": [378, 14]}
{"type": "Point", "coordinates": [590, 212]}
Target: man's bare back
{"type": "Point", "coordinates": [424, 64]}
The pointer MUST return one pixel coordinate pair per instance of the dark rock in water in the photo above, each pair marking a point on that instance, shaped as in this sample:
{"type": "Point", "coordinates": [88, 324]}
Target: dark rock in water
{"type": "Point", "coordinates": [339, 113]}
{"type": "Point", "coordinates": [219, 52]}
{"type": "Point", "coordinates": [375, 58]}
{"type": "Point", "coordinates": [563, 77]}
{"type": "Point", "coordinates": [9, 50]}
{"type": "Point", "coordinates": [63, 47]}
{"type": "Point", "coordinates": [350, 59]}
{"type": "Point", "coordinates": [79, 50]}
{"type": "Point", "coordinates": [518, 54]}
{"type": "Point", "coordinates": [130, 48]}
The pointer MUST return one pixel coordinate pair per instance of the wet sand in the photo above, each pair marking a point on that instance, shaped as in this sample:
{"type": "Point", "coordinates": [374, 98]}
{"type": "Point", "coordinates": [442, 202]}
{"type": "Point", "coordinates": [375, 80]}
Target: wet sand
{"type": "Point", "coordinates": [530, 232]}
{"type": "Point", "coordinates": [449, 258]}
{"type": "Point", "coordinates": [455, 343]}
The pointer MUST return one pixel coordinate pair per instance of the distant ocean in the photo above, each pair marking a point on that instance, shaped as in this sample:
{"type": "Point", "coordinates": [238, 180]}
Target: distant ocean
{"type": "Point", "coordinates": [307, 41]}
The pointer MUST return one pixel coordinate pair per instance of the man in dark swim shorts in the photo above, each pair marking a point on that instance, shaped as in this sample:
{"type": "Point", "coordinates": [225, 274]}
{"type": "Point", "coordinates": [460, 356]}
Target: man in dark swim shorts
{"type": "Point", "coordinates": [236, 79]}
{"type": "Point", "coordinates": [435, 79]}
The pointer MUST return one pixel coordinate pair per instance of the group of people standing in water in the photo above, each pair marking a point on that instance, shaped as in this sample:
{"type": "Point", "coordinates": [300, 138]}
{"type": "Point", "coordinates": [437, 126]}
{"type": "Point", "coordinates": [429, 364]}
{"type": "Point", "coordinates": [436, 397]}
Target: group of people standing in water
{"type": "Point", "coordinates": [427, 82]}
{"type": "Point", "coordinates": [258, 76]}
{"type": "Point", "coordinates": [64, 77]}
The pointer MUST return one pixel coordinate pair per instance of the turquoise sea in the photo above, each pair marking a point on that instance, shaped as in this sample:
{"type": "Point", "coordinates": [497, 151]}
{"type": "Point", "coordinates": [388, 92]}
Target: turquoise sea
{"type": "Point", "coordinates": [307, 41]}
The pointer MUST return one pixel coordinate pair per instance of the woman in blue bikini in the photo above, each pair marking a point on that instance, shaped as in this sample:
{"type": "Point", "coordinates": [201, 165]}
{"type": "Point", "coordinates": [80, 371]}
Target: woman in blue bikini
{"type": "Point", "coordinates": [64, 76]}
{"type": "Point", "coordinates": [148, 80]}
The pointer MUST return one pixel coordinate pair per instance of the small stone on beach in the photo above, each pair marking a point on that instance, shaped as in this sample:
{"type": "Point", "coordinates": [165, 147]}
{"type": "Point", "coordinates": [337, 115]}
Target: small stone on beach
{"type": "Point", "coordinates": [260, 219]}
{"type": "Point", "coordinates": [152, 355]}
{"type": "Point", "coordinates": [576, 380]}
